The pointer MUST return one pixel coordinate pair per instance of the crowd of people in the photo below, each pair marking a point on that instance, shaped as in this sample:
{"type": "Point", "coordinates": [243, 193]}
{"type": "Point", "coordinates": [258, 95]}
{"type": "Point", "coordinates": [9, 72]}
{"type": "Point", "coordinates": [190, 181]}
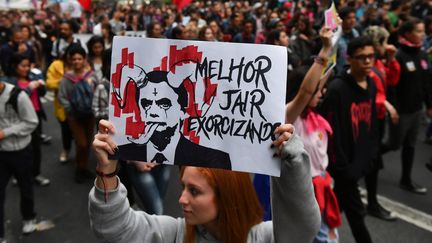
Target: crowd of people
{"type": "Point", "coordinates": [381, 85]}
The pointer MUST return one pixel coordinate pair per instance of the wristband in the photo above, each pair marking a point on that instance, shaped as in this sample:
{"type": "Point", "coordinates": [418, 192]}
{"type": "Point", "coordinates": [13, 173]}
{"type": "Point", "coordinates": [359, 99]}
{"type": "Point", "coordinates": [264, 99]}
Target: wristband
{"type": "Point", "coordinates": [320, 60]}
{"type": "Point", "coordinates": [112, 174]}
{"type": "Point", "coordinates": [102, 176]}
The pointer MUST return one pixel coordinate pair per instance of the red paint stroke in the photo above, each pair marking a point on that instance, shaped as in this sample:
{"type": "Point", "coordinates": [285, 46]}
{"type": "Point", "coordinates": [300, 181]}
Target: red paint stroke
{"type": "Point", "coordinates": [190, 134]}
{"type": "Point", "coordinates": [192, 108]}
{"type": "Point", "coordinates": [178, 57]}
{"type": "Point", "coordinates": [134, 129]}
{"type": "Point", "coordinates": [127, 104]}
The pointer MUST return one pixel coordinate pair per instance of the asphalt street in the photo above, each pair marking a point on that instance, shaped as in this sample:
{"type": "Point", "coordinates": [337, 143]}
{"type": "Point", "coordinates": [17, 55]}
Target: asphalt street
{"type": "Point", "coordinates": [65, 203]}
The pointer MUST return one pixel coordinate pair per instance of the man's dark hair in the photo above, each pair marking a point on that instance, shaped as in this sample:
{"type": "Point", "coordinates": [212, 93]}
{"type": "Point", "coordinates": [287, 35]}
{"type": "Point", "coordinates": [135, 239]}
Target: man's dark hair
{"type": "Point", "coordinates": [357, 43]}
{"type": "Point", "coordinates": [273, 36]}
{"type": "Point", "coordinates": [344, 12]}
{"type": "Point", "coordinates": [14, 29]}
{"type": "Point", "coordinates": [74, 26]}
{"type": "Point", "coordinates": [409, 25]}
{"type": "Point", "coordinates": [150, 28]}
{"type": "Point", "coordinates": [394, 5]}
{"type": "Point", "coordinates": [177, 31]}
{"type": "Point", "coordinates": [77, 49]}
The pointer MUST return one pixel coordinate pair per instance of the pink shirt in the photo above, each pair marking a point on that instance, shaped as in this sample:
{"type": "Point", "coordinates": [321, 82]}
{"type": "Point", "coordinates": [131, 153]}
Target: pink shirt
{"type": "Point", "coordinates": [315, 144]}
{"type": "Point", "coordinates": [34, 96]}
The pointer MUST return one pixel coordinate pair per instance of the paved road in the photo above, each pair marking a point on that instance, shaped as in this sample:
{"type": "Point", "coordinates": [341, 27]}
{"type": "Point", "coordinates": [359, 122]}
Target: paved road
{"type": "Point", "coordinates": [65, 202]}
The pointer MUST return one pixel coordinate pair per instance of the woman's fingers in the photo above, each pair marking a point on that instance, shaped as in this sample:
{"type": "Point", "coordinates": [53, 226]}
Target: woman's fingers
{"type": "Point", "coordinates": [101, 150]}
{"type": "Point", "coordinates": [284, 133]}
{"type": "Point", "coordinates": [106, 138]}
{"type": "Point", "coordinates": [106, 127]}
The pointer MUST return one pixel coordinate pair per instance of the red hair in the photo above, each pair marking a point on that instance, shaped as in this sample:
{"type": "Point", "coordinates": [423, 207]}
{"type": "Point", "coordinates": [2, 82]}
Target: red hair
{"type": "Point", "coordinates": [238, 206]}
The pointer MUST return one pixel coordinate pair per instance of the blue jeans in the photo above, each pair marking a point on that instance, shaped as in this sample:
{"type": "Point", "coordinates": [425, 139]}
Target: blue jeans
{"type": "Point", "coordinates": [150, 186]}
{"type": "Point", "coordinates": [323, 234]}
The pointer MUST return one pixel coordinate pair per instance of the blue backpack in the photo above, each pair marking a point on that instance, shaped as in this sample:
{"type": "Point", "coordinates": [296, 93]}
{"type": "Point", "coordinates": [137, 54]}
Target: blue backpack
{"type": "Point", "coordinates": [81, 97]}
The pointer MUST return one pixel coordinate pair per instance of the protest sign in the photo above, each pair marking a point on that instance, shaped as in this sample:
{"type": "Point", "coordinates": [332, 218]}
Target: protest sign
{"type": "Point", "coordinates": [332, 22]}
{"type": "Point", "coordinates": [197, 103]}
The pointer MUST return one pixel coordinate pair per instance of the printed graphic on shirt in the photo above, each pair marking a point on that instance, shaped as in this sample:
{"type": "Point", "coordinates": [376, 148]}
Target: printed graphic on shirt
{"type": "Point", "coordinates": [360, 113]}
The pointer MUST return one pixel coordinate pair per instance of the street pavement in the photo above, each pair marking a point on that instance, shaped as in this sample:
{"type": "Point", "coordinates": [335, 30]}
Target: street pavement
{"type": "Point", "coordinates": [64, 202]}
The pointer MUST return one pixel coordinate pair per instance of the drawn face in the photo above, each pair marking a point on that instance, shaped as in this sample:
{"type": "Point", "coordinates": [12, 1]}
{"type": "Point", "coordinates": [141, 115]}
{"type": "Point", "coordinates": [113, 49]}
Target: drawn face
{"type": "Point", "coordinates": [160, 106]}
{"type": "Point", "coordinates": [197, 198]}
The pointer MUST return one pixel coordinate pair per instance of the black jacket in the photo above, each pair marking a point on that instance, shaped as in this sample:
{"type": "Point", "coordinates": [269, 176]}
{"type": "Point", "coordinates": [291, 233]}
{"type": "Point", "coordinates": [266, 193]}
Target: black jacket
{"type": "Point", "coordinates": [414, 86]}
{"type": "Point", "coordinates": [187, 153]}
{"type": "Point", "coordinates": [351, 112]}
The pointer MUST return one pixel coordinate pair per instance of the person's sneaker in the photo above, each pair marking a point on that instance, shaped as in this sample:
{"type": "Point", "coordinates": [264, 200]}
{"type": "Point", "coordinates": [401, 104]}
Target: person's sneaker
{"type": "Point", "coordinates": [45, 139]}
{"type": "Point", "coordinates": [413, 187]}
{"type": "Point", "coordinates": [82, 176]}
{"type": "Point", "coordinates": [63, 158]}
{"type": "Point", "coordinates": [29, 226]}
{"type": "Point", "coordinates": [42, 181]}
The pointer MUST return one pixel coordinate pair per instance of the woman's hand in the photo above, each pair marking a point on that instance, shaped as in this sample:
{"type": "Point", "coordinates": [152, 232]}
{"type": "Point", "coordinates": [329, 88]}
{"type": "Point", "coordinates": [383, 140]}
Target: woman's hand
{"type": "Point", "coordinates": [142, 166]}
{"type": "Point", "coordinates": [34, 84]}
{"type": "Point", "coordinates": [326, 35]}
{"type": "Point", "coordinates": [285, 131]}
{"type": "Point", "coordinates": [103, 144]}
{"type": "Point", "coordinates": [391, 52]}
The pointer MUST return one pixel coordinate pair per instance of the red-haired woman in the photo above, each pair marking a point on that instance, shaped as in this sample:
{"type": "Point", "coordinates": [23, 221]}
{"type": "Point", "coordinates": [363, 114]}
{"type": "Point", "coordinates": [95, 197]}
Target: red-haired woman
{"type": "Point", "coordinates": [218, 205]}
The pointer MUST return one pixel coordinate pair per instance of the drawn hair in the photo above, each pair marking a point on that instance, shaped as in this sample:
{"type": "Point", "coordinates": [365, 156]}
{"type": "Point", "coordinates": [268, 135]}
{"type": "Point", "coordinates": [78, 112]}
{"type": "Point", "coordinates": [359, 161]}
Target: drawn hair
{"type": "Point", "coordinates": [159, 77]}
{"type": "Point", "coordinates": [238, 206]}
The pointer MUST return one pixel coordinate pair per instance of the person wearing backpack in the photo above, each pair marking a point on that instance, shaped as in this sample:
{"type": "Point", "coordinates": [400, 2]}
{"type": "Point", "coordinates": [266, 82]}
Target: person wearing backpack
{"type": "Point", "coordinates": [76, 96]}
{"type": "Point", "coordinates": [18, 120]}
{"type": "Point", "coordinates": [21, 75]}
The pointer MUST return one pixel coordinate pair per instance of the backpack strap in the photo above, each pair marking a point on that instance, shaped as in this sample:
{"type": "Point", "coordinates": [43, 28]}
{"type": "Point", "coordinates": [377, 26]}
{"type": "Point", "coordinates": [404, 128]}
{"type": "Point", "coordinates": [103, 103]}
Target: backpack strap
{"type": "Point", "coordinates": [13, 98]}
{"type": "Point", "coordinates": [380, 76]}
{"type": "Point", "coordinates": [58, 48]}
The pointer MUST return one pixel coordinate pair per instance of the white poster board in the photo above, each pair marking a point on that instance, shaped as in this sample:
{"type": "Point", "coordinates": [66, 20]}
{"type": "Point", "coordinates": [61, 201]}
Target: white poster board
{"type": "Point", "coordinates": [331, 21]}
{"type": "Point", "coordinates": [206, 104]}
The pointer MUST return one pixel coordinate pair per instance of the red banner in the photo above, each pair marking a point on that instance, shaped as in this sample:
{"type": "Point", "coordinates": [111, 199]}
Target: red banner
{"type": "Point", "coordinates": [86, 4]}
{"type": "Point", "coordinates": [180, 4]}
